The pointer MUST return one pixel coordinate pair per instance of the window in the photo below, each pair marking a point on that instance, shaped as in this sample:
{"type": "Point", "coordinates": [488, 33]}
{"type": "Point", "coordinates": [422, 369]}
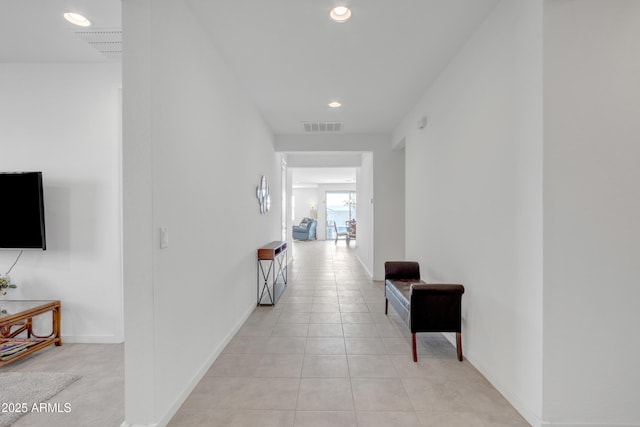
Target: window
{"type": "Point", "coordinates": [341, 207]}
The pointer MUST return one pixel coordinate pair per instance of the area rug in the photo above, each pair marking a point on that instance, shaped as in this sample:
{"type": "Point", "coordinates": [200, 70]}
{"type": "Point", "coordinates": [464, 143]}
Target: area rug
{"type": "Point", "coordinates": [20, 391]}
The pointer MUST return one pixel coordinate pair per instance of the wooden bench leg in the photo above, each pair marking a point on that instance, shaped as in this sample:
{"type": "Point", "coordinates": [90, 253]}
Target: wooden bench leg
{"type": "Point", "coordinates": [459, 345]}
{"type": "Point", "coordinates": [413, 344]}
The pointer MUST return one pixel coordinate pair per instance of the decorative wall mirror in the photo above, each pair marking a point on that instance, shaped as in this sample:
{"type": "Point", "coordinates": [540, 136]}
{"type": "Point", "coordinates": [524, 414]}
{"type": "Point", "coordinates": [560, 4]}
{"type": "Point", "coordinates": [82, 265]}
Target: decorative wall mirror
{"type": "Point", "coordinates": [262, 193]}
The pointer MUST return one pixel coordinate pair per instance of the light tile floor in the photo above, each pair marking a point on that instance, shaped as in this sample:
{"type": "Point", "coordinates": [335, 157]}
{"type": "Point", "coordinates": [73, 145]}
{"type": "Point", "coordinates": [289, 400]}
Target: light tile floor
{"type": "Point", "coordinates": [326, 355]}
{"type": "Point", "coordinates": [96, 399]}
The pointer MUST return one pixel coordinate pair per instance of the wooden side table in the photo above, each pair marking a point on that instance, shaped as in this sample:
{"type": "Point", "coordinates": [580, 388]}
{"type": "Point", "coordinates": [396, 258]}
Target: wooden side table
{"type": "Point", "coordinates": [274, 256]}
{"type": "Point", "coordinates": [16, 318]}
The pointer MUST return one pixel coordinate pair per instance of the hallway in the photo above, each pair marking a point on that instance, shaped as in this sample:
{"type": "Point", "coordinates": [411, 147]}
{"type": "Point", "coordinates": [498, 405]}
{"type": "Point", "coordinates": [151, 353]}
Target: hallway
{"type": "Point", "coordinates": [326, 355]}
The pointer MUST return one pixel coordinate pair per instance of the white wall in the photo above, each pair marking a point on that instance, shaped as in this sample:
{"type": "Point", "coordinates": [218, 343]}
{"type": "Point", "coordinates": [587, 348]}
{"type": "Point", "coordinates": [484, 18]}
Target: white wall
{"type": "Point", "coordinates": [474, 196]}
{"type": "Point", "coordinates": [388, 185]}
{"type": "Point", "coordinates": [304, 199]}
{"type": "Point", "coordinates": [591, 211]}
{"type": "Point", "coordinates": [63, 120]}
{"type": "Point", "coordinates": [365, 221]}
{"type": "Point", "coordinates": [288, 220]}
{"type": "Point", "coordinates": [194, 151]}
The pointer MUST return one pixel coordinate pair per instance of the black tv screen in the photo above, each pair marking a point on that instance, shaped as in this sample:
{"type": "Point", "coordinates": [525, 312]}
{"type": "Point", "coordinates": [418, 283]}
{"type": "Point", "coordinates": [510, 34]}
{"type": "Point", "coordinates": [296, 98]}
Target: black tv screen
{"type": "Point", "coordinates": [22, 211]}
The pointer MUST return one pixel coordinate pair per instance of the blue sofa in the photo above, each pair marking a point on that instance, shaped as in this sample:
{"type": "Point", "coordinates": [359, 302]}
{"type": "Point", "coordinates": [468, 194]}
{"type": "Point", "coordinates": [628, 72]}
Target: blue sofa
{"type": "Point", "coordinates": [306, 230]}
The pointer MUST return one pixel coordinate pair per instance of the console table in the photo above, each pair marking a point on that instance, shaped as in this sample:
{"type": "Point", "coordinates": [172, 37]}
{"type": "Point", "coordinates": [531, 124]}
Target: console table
{"type": "Point", "coordinates": [273, 280]}
{"type": "Point", "coordinates": [16, 318]}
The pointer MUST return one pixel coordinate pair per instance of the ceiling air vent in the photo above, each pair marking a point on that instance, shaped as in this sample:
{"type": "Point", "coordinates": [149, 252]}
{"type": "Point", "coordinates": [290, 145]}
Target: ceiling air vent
{"type": "Point", "coordinates": [314, 127]}
{"type": "Point", "coordinates": [106, 41]}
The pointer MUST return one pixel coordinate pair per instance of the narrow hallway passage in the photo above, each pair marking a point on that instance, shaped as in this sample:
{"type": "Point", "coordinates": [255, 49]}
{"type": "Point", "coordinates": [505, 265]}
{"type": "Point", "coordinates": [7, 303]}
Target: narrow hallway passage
{"type": "Point", "coordinates": [326, 355]}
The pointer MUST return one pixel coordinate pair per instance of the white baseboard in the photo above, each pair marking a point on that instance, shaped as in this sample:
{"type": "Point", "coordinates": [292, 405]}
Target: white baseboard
{"type": "Point", "coordinates": [126, 424]}
{"type": "Point", "coordinates": [364, 266]}
{"type": "Point", "coordinates": [577, 424]}
{"type": "Point", "coordinates": [92, 339]}
{"type": "Point", "coordinates": [574, 424]}
{"type": "Point", "coordinates": [512, 398]}
{"type": "Point", "coordinates": [182, 397]}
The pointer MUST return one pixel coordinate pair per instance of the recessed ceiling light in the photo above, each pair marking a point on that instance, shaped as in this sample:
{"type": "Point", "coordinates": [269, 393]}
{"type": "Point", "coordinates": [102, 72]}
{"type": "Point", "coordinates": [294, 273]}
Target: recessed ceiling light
{"type": "Point", "coordinates": [340, 13]}
{"type": "Point", "coordinates": [335, 104]}
{"type": "Point", "coordinates": [77, 19]}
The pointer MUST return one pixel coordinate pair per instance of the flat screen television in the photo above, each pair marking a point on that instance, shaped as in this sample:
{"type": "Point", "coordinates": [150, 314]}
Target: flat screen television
{"type": "Point", "coordinates": [22, 211]}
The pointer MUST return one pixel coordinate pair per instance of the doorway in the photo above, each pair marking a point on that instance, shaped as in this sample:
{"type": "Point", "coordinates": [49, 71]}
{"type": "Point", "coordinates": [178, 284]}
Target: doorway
{"type": "Point", "coordinates": [341, 209]}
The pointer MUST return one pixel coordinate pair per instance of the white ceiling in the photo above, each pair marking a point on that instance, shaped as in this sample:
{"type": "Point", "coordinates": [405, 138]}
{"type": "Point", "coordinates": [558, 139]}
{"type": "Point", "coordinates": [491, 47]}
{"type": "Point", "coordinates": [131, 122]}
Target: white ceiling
{"type": "Point", "coordinates": [291, 59]}
{"type": "Point", "coordinates": [35, 31]}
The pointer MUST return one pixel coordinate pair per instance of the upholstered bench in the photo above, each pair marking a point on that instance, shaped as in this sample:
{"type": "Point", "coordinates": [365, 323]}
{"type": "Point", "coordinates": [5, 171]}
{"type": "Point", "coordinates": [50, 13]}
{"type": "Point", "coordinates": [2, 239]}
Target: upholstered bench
{"type": "Point", "coordinates": [423, 307]}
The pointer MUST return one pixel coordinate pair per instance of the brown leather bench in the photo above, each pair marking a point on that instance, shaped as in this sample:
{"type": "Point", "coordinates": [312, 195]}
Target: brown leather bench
{"type": "Point", "coordinates": [423, 307]}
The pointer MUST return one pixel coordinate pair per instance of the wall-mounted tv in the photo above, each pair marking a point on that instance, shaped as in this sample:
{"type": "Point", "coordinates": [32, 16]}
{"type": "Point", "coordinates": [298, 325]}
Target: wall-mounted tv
{"type": "Point", "coordinates": [22, 211]}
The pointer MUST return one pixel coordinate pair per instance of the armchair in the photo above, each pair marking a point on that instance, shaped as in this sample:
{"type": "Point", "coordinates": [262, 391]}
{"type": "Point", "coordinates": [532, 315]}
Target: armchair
{"type": "Point", "coordinates": [306, 230]}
